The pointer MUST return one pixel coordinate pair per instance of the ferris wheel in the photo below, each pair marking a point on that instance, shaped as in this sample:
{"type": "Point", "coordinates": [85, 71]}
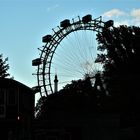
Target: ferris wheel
{"type": "Point", "coordinates": [69, 53]}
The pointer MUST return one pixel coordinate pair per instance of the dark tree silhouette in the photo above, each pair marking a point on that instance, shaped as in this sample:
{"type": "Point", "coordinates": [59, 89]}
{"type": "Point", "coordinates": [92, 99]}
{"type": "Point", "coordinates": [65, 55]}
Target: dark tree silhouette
{"type": "Point", "coordinates": [72, 90]}
{"type": "Point", "coordinates": [120, 49]}
{"type": "Point", "coordinates": [120, 55]}
{"type": "Point", "coordinates": [40, 106]}
{"type": "Point", "coordinates": [80, 86]}
{"type": "Point", "coordinates": [4, 67]}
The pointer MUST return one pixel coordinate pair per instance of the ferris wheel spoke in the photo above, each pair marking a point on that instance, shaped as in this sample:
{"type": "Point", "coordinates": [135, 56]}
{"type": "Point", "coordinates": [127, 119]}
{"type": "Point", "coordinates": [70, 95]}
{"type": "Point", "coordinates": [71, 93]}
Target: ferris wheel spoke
{"type": "Point", "coordinates": [70, 59]}
{"type": "Point", "coordinates": [71, 49]}
{"type": "Point", "coordinates": [67, 68]}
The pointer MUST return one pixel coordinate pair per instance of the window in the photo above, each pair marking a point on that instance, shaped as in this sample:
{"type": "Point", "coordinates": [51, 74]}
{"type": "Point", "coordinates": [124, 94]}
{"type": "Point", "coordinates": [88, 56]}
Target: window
{"type": "Point", "coordinates": [2, 103]}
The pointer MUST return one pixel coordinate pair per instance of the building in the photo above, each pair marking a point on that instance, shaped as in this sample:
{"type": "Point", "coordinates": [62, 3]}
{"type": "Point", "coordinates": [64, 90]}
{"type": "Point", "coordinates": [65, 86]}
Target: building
{"type": "Point", "coordinates": [16, 110]}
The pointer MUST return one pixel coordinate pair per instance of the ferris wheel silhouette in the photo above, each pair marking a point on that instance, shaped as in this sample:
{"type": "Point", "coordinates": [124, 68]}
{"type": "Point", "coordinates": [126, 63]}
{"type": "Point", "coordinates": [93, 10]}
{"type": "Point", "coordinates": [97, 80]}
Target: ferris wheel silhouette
{"type": "Point", "coordinates": [69, 53]}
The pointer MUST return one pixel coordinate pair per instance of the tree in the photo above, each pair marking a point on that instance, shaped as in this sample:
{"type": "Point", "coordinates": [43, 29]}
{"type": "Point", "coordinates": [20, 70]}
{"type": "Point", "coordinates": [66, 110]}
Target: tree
{"type": "Point", "coordinates": [120, 51]}
{"type": "Point", "coordinates": [120, 55]}
{"type": "Point", "coordinates": [3, 67]}
{"type": "Point", "coordinates": [40, 106]}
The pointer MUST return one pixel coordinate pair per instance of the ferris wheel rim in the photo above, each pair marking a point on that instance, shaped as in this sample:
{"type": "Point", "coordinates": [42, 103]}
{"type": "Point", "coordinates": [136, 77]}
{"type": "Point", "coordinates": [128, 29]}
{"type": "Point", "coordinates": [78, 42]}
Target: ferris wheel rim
{"type": "Point", "coordinates": [50, 47]}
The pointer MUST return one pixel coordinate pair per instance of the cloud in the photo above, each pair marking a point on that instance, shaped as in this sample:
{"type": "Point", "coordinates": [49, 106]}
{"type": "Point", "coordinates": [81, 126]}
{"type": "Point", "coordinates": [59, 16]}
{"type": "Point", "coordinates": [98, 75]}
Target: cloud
{"type": "Point", "coordinates": [121, 22]}
{"type": "Point", "coordinates": [52, 7]}
{"type": "Point", "coordinates": [131, 17]}
{"type": "Point", "coordinates": [114, 12]}
{"type": "Point", "coordinates": [135, 14]}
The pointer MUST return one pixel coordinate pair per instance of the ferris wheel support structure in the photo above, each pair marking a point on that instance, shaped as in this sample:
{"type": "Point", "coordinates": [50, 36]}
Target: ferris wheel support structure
{"type": "Point", "coordinates": [66, 27]}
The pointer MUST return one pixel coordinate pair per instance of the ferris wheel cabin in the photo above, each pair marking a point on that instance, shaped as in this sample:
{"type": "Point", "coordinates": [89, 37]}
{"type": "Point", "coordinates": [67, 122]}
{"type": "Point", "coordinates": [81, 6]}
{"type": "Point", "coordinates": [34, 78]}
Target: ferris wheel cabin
{"type": "Point", "coordinates": [65, 23]}
{"type": "Point", "coordinates": [36, 62]}
{"type": "Point", "coordinates": [109, 23]}
{"type": "Point", "coordinates": [87, 18]}
{"type": "Point", "coordinates": [47, 38]}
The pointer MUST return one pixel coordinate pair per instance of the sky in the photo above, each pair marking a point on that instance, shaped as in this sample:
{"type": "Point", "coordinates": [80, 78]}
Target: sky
{"type": "Point", "coordinates": [23, 23]}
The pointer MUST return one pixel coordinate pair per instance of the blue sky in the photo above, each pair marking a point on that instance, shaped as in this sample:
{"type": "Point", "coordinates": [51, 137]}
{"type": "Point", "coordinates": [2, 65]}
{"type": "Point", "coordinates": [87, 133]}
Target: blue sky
{"type": "Point", "coordinates": [23, 23]}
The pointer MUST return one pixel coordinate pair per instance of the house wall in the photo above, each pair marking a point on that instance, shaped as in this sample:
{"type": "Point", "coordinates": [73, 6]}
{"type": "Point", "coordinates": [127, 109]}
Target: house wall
{"type": "Point", "coordinates": [18, 105]}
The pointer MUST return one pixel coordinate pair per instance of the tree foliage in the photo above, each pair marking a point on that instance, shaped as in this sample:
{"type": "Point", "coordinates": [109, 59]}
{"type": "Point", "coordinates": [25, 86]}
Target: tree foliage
{"type": "Point", "coordinates": [120, 49]}
{"type": "Point", "coordinates": [4, 67]}
{"type": "Point", "coordinates": [120, 55]}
